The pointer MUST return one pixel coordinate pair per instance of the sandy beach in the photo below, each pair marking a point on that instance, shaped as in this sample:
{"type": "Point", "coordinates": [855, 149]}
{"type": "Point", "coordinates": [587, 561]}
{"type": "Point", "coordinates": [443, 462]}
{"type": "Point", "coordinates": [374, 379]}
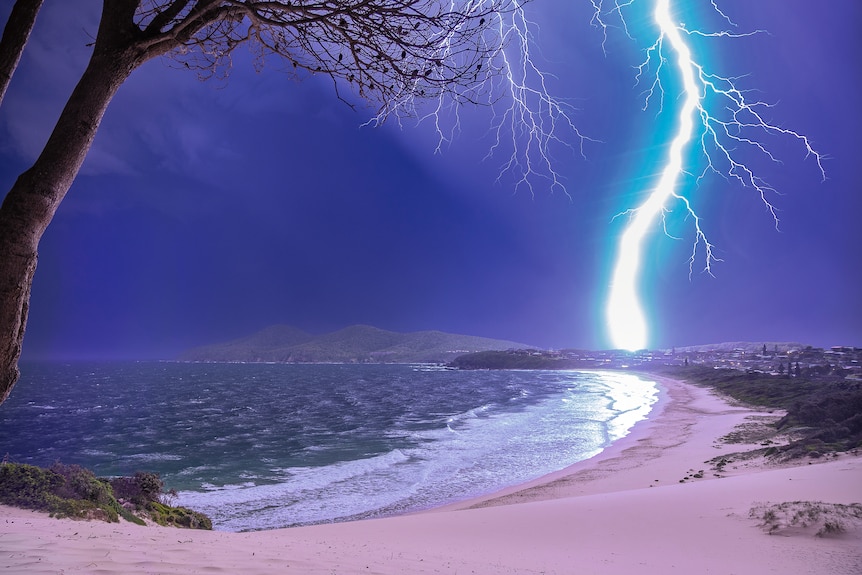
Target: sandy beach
{"type": "Point", "coordinates": [648, 504]}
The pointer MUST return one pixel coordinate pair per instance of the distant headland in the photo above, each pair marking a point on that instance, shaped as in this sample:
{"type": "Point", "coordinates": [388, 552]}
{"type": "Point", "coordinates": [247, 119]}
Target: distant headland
{"type": "Point", "coordinates": [354, 344]}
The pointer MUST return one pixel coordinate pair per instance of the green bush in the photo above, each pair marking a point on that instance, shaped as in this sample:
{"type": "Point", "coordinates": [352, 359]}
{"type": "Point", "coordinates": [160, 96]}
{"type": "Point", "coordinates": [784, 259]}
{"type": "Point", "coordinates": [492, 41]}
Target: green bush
{"type": "Point", "coordinates": [72, 491]}
{"type": "Point", "coordinates": [178, 516]}
{"type": "Point", "coordinates": [27, 486]}
{"type": "Point", "coordinates": [80, 483]}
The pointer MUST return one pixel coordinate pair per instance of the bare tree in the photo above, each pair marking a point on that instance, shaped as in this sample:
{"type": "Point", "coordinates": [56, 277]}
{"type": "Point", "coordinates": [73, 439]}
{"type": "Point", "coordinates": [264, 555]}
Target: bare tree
{"type": "Point", "coordinates": [15, 36]}
{"type": "Point", "coordinates": [392, 52]}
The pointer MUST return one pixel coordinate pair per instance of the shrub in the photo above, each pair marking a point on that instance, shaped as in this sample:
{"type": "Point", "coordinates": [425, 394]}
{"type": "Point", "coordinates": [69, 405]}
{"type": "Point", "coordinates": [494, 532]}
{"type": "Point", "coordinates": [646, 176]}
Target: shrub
{"type": "Point", "coordinates": [72, 491]}
{"type": "Point", "coordinates": [27, 486]}
{"type": "Point", "coordinates": [178, 516]}
{"type": "Point", "coordinates": [80, 483]}
{"type": "Point", "coordinates": [826, 518]}
{"type": "Point", "coordinates": [140, 489]}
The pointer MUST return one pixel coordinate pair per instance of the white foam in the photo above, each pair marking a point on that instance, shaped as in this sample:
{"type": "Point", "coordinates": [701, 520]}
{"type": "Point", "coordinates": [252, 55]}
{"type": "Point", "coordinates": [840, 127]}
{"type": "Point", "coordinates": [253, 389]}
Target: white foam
{"type": "Point", "coordinates": [477, 451]}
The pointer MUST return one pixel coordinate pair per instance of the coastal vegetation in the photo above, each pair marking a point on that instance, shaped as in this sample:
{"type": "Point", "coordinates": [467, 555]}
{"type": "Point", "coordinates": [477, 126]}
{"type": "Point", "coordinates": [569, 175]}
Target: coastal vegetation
{"type": "Point", "coordinates": [822, 415]}
{"type": "Point", "coordinates": [823, 518]}
{"type": "Point", "coordinates": [73, 491]}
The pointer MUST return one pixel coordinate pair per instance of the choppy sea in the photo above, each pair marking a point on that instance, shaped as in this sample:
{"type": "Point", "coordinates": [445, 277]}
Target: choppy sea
{"type": "Point", "coordinates": [262, 446]}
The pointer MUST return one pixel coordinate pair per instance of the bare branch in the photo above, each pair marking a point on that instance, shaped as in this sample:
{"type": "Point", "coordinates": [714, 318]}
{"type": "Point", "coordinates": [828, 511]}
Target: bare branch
{"type": "Point", "coordinates": [389, 51]}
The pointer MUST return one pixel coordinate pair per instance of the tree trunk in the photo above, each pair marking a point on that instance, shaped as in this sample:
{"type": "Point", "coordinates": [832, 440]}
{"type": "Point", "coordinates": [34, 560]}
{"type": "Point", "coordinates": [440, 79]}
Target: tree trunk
{"type": "Point", "coordinates": [34, 198]}
{"type": "Point", "coordinates": [15, 35]}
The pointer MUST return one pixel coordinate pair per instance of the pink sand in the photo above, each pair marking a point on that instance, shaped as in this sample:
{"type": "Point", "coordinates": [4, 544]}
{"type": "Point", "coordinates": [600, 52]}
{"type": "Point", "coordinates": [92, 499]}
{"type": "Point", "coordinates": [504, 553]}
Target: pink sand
{"type": "Point", "coordinates": [621, 512]}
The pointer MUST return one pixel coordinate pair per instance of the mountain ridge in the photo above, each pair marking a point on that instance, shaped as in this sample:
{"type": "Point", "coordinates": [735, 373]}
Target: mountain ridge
{"type": "Point", "coordinates": [353, 344]}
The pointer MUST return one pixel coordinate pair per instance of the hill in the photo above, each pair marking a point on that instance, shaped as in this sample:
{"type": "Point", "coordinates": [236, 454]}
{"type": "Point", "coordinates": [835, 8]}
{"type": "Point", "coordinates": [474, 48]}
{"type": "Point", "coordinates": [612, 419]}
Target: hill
{"type": "Point", "coordinates": [354, 344]}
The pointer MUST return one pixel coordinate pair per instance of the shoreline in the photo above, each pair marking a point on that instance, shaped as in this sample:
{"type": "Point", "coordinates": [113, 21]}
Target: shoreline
{"type": "Point", "coordinates": [635, 507]}
{"type": "Point", "coordinates": [683, 414]}
{"type": "Point", "coordinates": [542, 487]}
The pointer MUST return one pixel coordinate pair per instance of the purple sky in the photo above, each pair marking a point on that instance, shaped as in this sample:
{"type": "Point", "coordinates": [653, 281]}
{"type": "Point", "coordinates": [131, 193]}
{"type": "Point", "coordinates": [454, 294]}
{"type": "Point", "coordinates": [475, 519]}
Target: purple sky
{"type": "Point", "coordinates": [208, 210]}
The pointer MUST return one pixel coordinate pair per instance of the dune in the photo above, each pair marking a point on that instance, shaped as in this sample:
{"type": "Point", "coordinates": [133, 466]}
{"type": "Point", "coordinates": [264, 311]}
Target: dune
{"type": "Point", "coordinates": [648, 504]}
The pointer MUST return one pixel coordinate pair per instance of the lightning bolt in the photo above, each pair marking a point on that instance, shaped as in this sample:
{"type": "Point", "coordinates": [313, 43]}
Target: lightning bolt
{"type": "Point", "coordinates": [528, 123]}
{"type": "Point", "coordinates": [719, 138]}
{"type": "Point", "coordinates": [534, 119]}
{"type": "Point", "coordinates": [714, 113]}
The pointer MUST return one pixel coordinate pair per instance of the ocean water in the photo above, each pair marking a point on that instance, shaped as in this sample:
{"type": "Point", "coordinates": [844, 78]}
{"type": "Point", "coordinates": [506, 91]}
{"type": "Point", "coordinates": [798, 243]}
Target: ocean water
{"type": "Point", "coordinates": [262, 446]}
